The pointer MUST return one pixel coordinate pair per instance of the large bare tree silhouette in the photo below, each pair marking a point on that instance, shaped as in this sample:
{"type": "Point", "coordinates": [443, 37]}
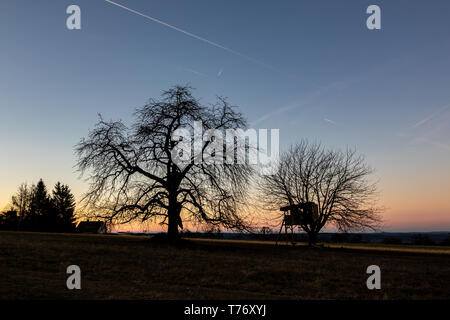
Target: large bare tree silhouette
{"type": "Point", "coordinates": [133, 173]}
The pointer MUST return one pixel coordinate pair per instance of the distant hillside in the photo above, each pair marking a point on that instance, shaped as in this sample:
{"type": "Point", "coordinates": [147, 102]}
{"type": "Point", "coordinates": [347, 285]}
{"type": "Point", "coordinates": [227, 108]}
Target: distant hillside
{"type": "Point", "coordinates": [419, 238]}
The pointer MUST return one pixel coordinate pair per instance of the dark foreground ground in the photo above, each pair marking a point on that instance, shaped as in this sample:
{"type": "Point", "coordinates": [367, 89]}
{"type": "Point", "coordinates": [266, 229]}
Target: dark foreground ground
{"type": "Point", "coordinates": [33, 266]}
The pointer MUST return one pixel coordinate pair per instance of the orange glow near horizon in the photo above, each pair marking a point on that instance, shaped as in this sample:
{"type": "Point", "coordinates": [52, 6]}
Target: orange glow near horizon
{"type": "Point", "coordinates": [419, 204]}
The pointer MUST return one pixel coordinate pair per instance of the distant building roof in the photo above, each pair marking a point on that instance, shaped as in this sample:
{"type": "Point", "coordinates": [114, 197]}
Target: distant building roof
{"type": "Point", "coordinates": [91, 227]}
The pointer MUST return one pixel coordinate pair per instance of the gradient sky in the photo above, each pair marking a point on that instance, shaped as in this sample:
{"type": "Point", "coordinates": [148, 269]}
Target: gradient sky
{"type": "Point", "coordinates": [310, 68]}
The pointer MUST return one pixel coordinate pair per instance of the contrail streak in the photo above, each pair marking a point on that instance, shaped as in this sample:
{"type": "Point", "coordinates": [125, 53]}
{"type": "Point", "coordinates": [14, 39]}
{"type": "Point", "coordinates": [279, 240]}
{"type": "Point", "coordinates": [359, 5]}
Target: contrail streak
{"type": "Point", "coordinates": [431, 116]}
{"type": "Point", "coordinates": [330, 121]}
{"type": "Point", "coordinates": [194, 36]}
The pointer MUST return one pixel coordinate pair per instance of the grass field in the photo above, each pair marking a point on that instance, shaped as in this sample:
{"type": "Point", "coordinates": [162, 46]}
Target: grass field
{"type": "Point", "coordinates": [33, 266]}
{"type": "Point", "coordinates": [356, 246]}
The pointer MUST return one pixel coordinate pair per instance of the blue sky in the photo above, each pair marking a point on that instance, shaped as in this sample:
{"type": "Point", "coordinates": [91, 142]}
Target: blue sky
{"type": "Point", "coordinates": [314, 71]}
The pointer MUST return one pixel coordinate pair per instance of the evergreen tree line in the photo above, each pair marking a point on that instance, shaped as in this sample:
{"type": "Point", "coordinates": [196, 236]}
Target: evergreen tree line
{"type": "Point", "coordinates": [33, 208]}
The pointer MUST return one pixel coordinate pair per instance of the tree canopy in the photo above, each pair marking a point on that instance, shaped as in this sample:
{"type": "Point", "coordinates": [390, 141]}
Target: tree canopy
{"type": "Point", "coordinates": [337, 181]}
{"type": "Point", "coordinates": [134, 173]}
{"type": "Point", "coordinates": [34, 209]}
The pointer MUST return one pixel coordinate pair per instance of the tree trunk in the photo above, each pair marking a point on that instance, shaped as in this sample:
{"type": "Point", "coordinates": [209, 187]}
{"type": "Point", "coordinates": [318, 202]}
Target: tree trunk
{"type": "Point", "coordinates": [312, 238]}
{"type": "Point", "coordinates": [172, 233]}
{"type": "Point", "coordinates": [174, 220]}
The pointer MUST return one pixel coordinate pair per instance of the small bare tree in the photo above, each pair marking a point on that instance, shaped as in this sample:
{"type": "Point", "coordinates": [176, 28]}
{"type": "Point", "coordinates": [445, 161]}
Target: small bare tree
{"type": "Point", "coordinates": [134, 173]}
{"type": "Point", "coordinates": [338, 182]}
{"type": "Point", "coordinates": [21, 201]}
